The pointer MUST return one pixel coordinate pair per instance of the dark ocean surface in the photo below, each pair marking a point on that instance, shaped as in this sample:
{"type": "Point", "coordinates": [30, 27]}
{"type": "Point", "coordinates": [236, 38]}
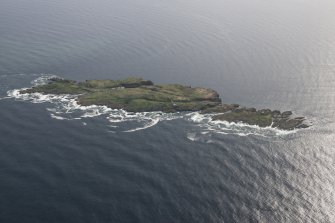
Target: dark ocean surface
{"type": "Point", "coordinates": [60, 162]}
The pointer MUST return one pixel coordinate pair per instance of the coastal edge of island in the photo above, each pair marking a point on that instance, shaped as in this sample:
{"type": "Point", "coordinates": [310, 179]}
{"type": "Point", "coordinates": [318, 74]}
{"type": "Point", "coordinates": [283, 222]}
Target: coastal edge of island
{"type": "Point", "coordinates": [139, 95]}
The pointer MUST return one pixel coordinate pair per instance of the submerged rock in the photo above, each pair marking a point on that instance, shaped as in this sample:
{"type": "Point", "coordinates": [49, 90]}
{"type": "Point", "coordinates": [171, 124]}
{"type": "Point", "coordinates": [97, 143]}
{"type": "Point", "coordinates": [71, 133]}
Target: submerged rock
{"type": "Point", "coordinates": [139, 95]}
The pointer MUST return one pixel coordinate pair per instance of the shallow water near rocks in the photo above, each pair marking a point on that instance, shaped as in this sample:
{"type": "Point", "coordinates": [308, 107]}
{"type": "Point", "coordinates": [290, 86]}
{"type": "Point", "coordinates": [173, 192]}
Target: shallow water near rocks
{"type": "Point", "coordinates": [60, 162]}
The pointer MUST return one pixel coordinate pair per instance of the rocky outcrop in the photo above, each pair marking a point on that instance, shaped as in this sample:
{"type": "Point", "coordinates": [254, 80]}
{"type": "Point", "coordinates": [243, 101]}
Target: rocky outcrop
{"type": "Point", "coordinates": [138, 95]}
{"type": "Point", "coordinates": [133, 94]}
{"type": "Point", "coordinates": [262, 118]}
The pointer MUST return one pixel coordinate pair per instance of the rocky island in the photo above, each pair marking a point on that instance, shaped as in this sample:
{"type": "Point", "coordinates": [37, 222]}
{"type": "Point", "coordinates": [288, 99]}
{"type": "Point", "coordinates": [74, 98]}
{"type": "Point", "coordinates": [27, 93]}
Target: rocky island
{"type": "Point", "coordinates": [139, 95]}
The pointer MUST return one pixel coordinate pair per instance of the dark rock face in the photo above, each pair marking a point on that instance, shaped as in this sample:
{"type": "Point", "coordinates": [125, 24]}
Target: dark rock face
{"type": "Point", "coordinates": [289, 123]}
{"type": "Point", "coordinates": [286, 113]}
{"type": "Point", "coordinates": [251, 109]}
{"type": "Point", "coordinates": [138, 95]}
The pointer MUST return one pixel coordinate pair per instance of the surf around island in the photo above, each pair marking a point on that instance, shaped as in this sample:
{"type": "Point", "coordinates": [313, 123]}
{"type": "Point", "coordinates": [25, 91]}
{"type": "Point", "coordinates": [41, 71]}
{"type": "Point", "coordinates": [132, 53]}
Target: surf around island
{"type": "Point", "coordinates": [139, 95]}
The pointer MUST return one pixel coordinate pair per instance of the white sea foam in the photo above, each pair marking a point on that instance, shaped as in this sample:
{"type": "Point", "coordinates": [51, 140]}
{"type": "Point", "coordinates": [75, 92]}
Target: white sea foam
{"type": "Point", "coordinates": [143, 119]}
{"type": "Point", "coordinates": [197, 117]}
{"type": "Point", "coordinates": [192, 136]}
{"type": "Point", "coordinates": [205, 122]}
{"type": "Point", "coordinates": [92, 111]}
{"type": "Point", "coordinates": [3, 98]}
{"type": "Point", "coordinates": [57, 117]}
{"type": "Point", "coordinates": [43, 79]}
{"type": "Point", "coordinates": [149, 125]}
{"type": "Point", "coordinates": [200, 137]}
{"type": "Point", "coordinates": [65, 107]}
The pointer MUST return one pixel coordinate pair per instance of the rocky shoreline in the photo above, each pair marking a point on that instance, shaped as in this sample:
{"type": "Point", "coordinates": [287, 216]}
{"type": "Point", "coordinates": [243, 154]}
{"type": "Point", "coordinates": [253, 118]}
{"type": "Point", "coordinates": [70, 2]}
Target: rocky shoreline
{"type": "Point", "coordinates": [139, 95]}
{"type": "Point", "coordinates": [252, 116]}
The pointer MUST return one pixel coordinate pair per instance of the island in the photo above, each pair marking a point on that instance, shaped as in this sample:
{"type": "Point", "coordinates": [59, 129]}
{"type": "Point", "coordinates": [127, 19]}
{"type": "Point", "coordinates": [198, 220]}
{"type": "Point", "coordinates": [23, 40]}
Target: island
{"type": "Point", "coordinates": [139, 95]}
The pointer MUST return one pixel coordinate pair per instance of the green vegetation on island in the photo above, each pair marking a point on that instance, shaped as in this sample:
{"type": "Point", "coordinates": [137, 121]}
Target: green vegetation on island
{"type": "Point", "coordinates": [139, 95]}
{"type": "Point", "coordinates": [133, 94]}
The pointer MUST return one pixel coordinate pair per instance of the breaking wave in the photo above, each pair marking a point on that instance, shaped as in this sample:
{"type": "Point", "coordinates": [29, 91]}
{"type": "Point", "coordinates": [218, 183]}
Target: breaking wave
{"type": "Point", "coordinates": [3, 98]}
{"type": "Point", "coordinates": [65, 107]}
